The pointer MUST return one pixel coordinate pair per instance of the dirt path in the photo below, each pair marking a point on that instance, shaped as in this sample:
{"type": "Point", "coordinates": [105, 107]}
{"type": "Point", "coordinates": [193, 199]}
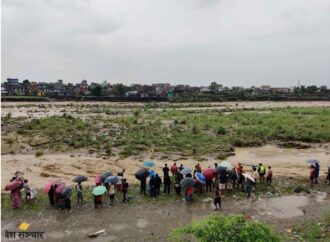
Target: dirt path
{"type": "Point", "coordinates": [146, 221]}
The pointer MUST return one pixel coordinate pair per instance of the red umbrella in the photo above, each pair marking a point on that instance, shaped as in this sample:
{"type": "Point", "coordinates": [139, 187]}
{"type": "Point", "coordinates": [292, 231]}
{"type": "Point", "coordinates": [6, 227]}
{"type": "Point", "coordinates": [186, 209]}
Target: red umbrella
{"type": "Point", "coordinates": [60, 188]}
{"type": "Point", "coordinates": [13, 185]}
{"type": "Point", "coordinates": [48, 185]}
{"type": "Point", "coordinates": [209, 173]}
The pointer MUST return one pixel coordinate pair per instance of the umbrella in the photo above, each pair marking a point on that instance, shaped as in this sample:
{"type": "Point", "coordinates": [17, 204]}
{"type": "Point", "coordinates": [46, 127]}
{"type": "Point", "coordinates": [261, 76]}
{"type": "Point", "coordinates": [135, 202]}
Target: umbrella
{"type": "Point", "coordinates": [49, 184]}
{"type": "Point", "coordinates": [152, 173]}
{"type": "Point", "coordinates": [312, 161]}
{"type": "Point", "coordinates": [248, 176]}
{"type": "Point", "coordinates": [142, 173]}
{"type": "Point", "coordinates": [209, 173]}
{"type": "Point", "coordinates": [220, 169]}
{"type": "Point", "coordinates": [226, 164]}
{"type": "Point", "coordinates": [186, 171]}
{"type": "Point", "coordinates": [60, 188]}
{"type": "Point", "coordinates": [199, 176]}
{"type": "Point", "coordinates": [149, 163]}
{"type": "Point", "coordinates": [66, 193]}
{"type": "Point", "coordinates": [80, 179]}
{"type": "Point", "coordinates": [111, 179]}
{"type": "Point", "coordinates": [57, 181]}
{"type": "Point", "coordinates": [187, 182]}
{"type": "Point", "coordinates": [13, 185]}
{"type": "Point", "coordinates": [99, 190]}
{"type": "Point", "coordinates": [105, 175]}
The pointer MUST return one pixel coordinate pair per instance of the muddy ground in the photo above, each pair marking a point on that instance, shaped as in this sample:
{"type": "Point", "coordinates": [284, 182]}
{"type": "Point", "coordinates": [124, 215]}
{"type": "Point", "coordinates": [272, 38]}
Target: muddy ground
{"type": "Point", "coordinates": [145, 219]}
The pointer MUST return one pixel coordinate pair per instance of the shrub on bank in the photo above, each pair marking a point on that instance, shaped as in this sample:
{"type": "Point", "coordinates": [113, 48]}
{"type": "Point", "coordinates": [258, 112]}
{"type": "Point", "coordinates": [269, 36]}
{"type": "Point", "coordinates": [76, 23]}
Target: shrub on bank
{"type": "Point", "coordinates": [226, 229]}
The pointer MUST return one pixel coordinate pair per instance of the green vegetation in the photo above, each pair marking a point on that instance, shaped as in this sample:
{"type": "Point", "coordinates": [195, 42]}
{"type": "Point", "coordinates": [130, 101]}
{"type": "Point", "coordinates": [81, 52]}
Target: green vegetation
{"type": "Point", "coordinates": [311, 230]}
{"type": "Point", "coordinates": [39, 153]}
{"type": "Point", "coordinates": [226, 228]}
{"type": "Point", "coordinates": [190, 132]}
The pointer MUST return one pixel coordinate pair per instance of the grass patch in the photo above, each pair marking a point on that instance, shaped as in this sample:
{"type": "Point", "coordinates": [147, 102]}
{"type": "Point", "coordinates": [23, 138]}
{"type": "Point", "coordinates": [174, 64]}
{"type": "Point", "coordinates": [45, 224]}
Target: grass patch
{"type": "Point", "coordinates": [226, 228]}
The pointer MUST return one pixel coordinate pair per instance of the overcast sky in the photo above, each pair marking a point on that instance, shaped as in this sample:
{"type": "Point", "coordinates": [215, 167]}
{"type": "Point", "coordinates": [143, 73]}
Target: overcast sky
{"type": "Point", "coordinates": [234, 42]}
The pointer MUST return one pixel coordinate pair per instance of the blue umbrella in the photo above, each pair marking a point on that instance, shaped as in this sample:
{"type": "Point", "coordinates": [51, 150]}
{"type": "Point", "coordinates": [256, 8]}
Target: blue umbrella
{"type": "Point", "coordinates": [148, 163]}
{"type": "Point", "coordinates": [199, 176]}
{"type": "Point", "coordinates": [312, 161]}
{"type": "Point", "coordinates": [111, 179]}
{"type": "Point", "coordinates": [186, 171]}
{"type": "Point", "coordinates": [152, 173]}
{"type": "Point", "coordinates": [105, 175]}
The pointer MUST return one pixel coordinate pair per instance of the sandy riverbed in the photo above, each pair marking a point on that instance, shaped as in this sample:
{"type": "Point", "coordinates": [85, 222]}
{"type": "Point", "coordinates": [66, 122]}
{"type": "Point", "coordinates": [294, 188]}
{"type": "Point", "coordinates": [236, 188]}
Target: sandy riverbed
{"type": "Point", "coordinates": [285, 162]}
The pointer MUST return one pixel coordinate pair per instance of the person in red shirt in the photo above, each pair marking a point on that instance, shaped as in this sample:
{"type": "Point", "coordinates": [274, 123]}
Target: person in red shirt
{"type": "Point", "coordinates": [174, 169]}
{"type": "Point", "coordinates": [189, 194]}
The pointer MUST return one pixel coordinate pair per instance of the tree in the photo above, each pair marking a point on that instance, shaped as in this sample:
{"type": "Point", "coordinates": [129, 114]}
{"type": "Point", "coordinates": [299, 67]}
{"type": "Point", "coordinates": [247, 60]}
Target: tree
{"type": "Point", "coordinates": [214, 87]}
{"type": "Point", "coordinates": [120, 89]}
{"type": "Point", "coordinates": [96, 90]}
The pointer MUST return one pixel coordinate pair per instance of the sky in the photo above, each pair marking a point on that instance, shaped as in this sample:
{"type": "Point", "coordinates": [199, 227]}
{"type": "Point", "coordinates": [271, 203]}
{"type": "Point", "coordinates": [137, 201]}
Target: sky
{"type": "Point", "coordinates": [195, 42]}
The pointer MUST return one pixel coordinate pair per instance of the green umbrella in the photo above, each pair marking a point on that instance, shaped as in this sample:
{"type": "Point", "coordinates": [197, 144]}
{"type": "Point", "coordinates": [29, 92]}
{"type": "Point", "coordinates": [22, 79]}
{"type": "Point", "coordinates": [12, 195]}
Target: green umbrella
{"type": "Point", "coordinates": [99, 190]}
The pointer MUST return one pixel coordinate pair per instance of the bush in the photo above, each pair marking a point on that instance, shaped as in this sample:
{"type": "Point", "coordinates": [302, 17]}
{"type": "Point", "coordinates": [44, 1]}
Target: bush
{"type": "Point", "coordinates": [221, 131]}
{"type": "Point", "coordinates": [39, 153]}
{"type": "Point", "coordinates": [230, 228]}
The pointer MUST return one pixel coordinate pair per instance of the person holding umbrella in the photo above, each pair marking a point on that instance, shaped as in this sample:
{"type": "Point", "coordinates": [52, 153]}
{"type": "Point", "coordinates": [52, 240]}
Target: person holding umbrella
{"type": "Point", "coordinates": [112, 192]}
{"type": "Point", "coordinates": [317, 172]}
{"type": "Point", "coordinates": [98, 193]}
{"type": "Point", "coordinates": [312, 175]}
{"type": "Point", "coordinates": [79, 193]}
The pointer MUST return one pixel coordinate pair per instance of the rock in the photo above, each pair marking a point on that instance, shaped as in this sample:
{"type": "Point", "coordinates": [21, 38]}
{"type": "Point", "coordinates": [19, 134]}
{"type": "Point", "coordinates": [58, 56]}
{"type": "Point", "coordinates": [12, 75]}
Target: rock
{"type": "Point", "coordinates": [208, 200]}
{"type": "Point", "coordinates": [289, 231]}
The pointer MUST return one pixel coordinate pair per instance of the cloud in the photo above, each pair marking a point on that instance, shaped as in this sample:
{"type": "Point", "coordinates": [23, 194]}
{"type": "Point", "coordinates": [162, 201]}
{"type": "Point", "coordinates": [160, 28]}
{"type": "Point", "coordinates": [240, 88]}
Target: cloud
{"type": "Point", "coordinates": [237, 42]}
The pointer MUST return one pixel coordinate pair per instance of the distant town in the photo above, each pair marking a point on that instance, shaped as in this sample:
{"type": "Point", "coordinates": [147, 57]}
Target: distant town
{"type": "Point", "coordinates": [12, 87]}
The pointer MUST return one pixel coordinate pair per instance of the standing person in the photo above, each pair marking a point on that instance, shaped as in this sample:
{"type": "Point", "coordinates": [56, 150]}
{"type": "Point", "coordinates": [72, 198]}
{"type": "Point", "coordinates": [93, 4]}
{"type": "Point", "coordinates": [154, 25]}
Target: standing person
{"type": "Point", "coordinates": [121, 173]}
{"type": "Point", "coordinates": [269, 176]}
{"type": "Point", "coordinates": [166, 171]}
{"type": "Point", "coordinates": [98, 201]}
{"type": "Point", "coordinates": [249, 185]}
{"type": "Point", "coordinates": [79, 193]}
{"type": "Point", "coordinates": [167, 184]}
{"type": "Point", "coordinates": [16, 195]}
{"type": "Point", "coordinates": [234, 177]}
{"type": "Point", "coordinates": [222, 180]}
{"type": "Point", "coordinates": [112, 192]}
{"type": "Point", "coordinates": [327, 179]}
{"type": "Point", "coordinates": [255, 175]}
{"type": "Point", "coordinates": [189, 194]}
{"type": "Point", "coordinates": [317, 172]}
{"type": "Point", "coordinates": [67, 203]}
{"type": "Point", "coordinates": [174, 169]}
{"type": "Point", "coordinates": [208, 185]}
{"type": "Point", "coordinates": [181, 167]}
{"type": "Point", "coordinates": [152, 185]}
{"type": "Point", "coordinates": [217, 198]}
{"type": "Point", "coordinates": [312, 175]}
{"type": "Point", "coordinates": [51, 195]}
{"type": "Point", "coordinates": [261, 172]}
{"type": "Point", "coordinates": [125, 190]}
{"type": "Point", "coordinates": [177, 187]}
{"type": "Point", "coordinates": [240, 180]}
{"type": "Point", "coordinates": [27, 191]}
{"type": "Point", "coordinates": [143, 186]}
{"type": "Point", "coordinates": [158, 185]}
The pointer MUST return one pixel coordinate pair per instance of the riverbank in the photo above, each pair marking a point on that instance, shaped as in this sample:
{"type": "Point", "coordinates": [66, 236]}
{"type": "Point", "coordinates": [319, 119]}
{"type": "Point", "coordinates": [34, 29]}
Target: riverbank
{"type": "Point", "coordinates": [148, 219]}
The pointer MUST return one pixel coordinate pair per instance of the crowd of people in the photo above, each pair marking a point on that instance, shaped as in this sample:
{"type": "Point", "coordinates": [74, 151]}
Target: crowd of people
{"type": "Point", "coordinates": [185, 182]}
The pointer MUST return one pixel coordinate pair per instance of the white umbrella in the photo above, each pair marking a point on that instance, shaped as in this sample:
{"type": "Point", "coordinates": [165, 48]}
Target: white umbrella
{"type": "Point", "coordinates": [226, 164]}
{"type": "Point", "coordinates": [248, 176]}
